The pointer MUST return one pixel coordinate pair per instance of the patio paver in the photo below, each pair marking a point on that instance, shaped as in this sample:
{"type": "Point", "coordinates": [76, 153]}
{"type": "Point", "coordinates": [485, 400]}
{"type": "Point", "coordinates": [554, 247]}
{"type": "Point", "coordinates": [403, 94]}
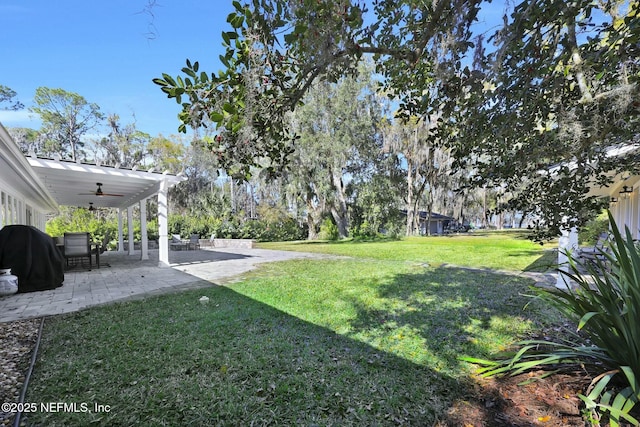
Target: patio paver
{"type": "Point", "coordinates": [128, 277]}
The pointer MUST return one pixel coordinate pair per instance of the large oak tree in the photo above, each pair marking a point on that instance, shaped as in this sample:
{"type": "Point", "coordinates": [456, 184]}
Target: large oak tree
{"type": "Point", "coordinates": [538, 114]}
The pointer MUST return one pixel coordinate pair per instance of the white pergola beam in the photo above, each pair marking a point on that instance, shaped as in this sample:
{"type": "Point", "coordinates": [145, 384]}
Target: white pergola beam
{"type": "Point", "coordinates": [75, 184]}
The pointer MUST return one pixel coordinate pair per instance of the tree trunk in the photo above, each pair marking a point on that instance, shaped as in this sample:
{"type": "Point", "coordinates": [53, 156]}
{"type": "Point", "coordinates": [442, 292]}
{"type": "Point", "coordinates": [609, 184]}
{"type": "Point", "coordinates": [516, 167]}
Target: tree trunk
{"type": "Point", "coordinates": [312, 214]}
{"type": "Point", "coordinates": [339, 207]}
{"type": "Point", "coordinates": [311, 224]}
{"type": "Point", "coordinates": [416, 207]}
{"type": "Point", "coordinates": [341, 223]}
{"type": "Point", "coordinates": [429, 209]}
{"type": "Point", "coordinates": [522, 218]}
{"type": "Point", "coordinates": [485, 219]}
{"type": "Point", "coordinates": [410, 204]}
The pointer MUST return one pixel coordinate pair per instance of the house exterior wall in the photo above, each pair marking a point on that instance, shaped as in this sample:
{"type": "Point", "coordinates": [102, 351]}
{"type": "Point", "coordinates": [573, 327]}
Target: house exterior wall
{"type": "Point", "coordinates": [23, 198]}
{"type": "Point", "coordinates": [436, 226]}
{"type": "Point", "coordinates": [626, 212]}
{"type": "Point", "coordinates": [15, 209]}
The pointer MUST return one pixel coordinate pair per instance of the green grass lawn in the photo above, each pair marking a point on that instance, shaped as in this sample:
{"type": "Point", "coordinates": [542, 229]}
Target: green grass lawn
{"type": "Point", "coordinates": [509, 250]}
{"type": "Point", "coordinates": [369, 340]}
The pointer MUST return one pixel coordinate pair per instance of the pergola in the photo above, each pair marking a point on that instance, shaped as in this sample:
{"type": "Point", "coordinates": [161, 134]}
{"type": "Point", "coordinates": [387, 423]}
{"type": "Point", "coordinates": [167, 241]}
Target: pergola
{"type": "Point", "coordinates": [83, 184]}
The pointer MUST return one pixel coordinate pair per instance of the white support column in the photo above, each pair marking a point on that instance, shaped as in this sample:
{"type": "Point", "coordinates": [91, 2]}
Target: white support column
{"type": "Point", "coordinates": [120, 232]}
{"type": "Point", "coordinates": [144, 241]}
{"type": "Point", "coordinates": [5, 212]}
{"type": "Point", "coordinates": [10, 211]}
{"type": "Point", "coordinates": [16, 216]}
{"type": "Point", "coordinates": [20, 218]}
{"type": "Point", "coordinates": [130, 229]}
{"type": "Point", "coordinates": [568, 242]}
{"type": "Point", "coordinates": [163, 226]}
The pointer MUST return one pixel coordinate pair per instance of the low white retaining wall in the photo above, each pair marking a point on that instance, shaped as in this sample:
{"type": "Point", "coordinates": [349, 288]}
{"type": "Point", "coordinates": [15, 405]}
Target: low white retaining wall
{"type": "Point", "coordinates": [227, 243]}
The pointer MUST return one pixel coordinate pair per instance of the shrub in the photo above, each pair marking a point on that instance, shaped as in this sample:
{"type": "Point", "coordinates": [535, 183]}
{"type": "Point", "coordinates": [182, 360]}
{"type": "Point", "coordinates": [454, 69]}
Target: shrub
{"type": "Point", "coordinates": [365, 231]}
{"type": "Point", "coordinates": [588, 235]}
{"type": "Point", "coordinates": [79, 219]}
{"type": "Point", "coordinates": [394, 229]}
{"type": "Point", "coordinates": [606, 307]}
{"type": "Point", "coordinates": [328, 230]}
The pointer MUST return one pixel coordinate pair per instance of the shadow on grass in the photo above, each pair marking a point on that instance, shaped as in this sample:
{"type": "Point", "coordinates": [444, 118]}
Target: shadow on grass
{"type": "Point", "coordinates": [451, 311]}
{"type": "Point", "coordinates": [235, 361]}
{"type": "Point", "coordinates": [547, 262]}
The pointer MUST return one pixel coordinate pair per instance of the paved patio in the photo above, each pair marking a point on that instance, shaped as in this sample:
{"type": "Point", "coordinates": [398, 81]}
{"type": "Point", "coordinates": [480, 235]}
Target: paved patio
{"type": "Point", "coordinates": [124, 276]}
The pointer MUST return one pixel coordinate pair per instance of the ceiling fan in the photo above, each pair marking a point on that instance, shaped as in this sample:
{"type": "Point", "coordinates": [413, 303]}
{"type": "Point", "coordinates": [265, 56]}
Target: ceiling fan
{"type": "Point", "coordinates": [91, 207]}
{"type": "Point", "coordinates": [101, 193]}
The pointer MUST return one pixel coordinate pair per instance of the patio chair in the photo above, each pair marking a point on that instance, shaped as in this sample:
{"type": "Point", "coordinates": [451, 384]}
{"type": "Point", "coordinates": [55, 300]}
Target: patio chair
{"type": "Point", "coordinates": [194, 242]}
{"type": "Point", "coordinates": [77, 246]}
{"type": "Point", "coordinates": [591, 254]}
{"type": "Point", "coordinates": [177, 242]}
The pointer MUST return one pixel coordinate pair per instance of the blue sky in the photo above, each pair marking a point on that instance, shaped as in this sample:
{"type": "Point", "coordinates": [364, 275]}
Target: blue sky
{"type": "Point", "coordinates": [108, 51]}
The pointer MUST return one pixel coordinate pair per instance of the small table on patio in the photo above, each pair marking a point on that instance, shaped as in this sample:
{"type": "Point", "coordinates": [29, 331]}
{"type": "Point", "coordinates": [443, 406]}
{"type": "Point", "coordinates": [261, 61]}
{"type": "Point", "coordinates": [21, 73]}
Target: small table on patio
{"type": "Point", "coordinates": [178, 243]}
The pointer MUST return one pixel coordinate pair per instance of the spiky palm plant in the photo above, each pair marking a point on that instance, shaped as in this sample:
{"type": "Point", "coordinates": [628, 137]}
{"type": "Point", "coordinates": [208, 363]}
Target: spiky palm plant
{"type": "Point", "coordinates": [604, 301]}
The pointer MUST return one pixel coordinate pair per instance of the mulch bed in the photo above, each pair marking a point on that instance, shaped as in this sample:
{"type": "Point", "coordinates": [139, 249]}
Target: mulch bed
{"type": "Point", "coordinates": [17, 341]}
{"type": "Point", "coordinates": [502, 402]}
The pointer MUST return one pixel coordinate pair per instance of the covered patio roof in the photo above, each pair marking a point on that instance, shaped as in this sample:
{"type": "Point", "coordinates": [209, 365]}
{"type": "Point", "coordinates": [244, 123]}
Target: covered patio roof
{"type": "Point", "coordinates": [619, 181]}
{"type": "Point", "coordinates": [75, 184]}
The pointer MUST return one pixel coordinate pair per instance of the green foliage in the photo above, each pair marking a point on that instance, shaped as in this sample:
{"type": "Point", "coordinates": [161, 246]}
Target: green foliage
{"type": "Point", "coordinates": [124, 145]}
{"type": "Point", "coordinates": [273, 228]}
{"type": "Point", "coordinates": [66, 117]}
{"type": "Point", "coordinates": [152, 230]}
{"type": "Point", "coordinates": [275, 50]}
{"type": "Point", "coordinates": [559, 88]}
{"type": "Point", "coordinates": [166, 154]}
{"type": "Point", "coordinates": [185, 225]}
{"type": "Point", "coordinates": [606, 307]}
{"type": "Point", "coordinates": [78, 219]}
{"type": "Point", "coordinates": [374, 202]}
{"type": "Point", "coordinates": [270, 229]}
{"type": "Point", "coordinates": [276, 231]}
{"type": "Point", "coordinates": [364, 231]}
{"type": "Point", "coordinates": [8, 98]}
{"type": "Point", "coordinates": [555, 102]}
{"type": "Point", "coordinates": [588, 235]}
{"type": "Point", "coordinates": [337, 143]}
{"type": "Point", "coordinates": [394, 228]}
{"type": "Point", "coordinates": [328, 230]}
{"type": "Point", "coordinates": [98, 224]}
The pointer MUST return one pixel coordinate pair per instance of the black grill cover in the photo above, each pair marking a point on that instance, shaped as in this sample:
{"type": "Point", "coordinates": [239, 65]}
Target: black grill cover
{"type": "Point", "coordinates": [32, 256]}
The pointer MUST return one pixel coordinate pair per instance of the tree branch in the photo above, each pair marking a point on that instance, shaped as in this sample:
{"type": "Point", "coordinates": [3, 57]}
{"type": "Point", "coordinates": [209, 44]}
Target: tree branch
{"type": "Point", "coordinates": [587, 97]}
